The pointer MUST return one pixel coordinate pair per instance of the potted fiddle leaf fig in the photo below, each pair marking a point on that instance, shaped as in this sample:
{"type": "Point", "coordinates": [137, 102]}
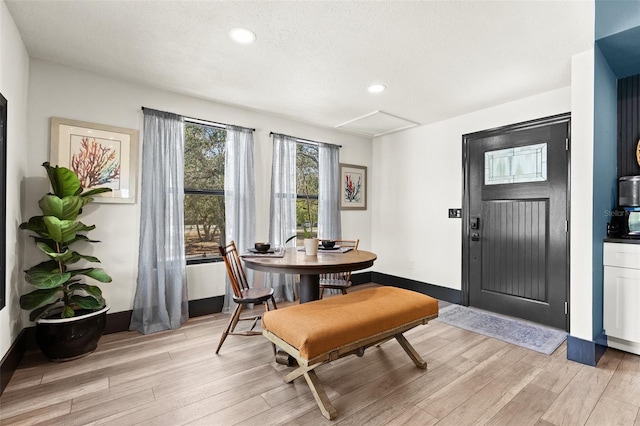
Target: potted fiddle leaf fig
{"type": "Point", "coordinates": [70, 314]}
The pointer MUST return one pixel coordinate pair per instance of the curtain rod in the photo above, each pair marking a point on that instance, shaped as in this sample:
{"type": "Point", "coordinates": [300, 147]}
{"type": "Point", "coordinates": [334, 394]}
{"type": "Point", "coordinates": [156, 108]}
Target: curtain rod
{"type": "Point", "coordinates": [308, 141]}
{"type": "Point", "coordinates": [222, 125]}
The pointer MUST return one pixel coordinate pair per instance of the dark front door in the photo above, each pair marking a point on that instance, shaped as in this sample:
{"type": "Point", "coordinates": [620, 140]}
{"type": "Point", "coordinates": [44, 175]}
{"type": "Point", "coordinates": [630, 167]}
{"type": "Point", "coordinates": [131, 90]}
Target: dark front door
{"type": "Point", "coordinates": [516, 213]}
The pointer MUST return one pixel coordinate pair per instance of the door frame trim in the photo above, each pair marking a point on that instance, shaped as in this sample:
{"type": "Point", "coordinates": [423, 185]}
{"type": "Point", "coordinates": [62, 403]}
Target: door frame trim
{"type": "Point", "coordinates": [467, 139]}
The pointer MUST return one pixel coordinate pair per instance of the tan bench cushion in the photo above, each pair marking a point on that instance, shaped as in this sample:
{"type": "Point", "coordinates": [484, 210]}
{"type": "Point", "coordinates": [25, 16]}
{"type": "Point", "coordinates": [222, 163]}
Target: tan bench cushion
{"type": "Point", "coordinates": [321, 326]}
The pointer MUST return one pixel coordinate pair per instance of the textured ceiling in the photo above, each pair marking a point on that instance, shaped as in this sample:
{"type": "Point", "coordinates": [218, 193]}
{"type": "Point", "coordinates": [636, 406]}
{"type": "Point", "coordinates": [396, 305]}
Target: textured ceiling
{"type": "Point", "coordinates": [313, 60]}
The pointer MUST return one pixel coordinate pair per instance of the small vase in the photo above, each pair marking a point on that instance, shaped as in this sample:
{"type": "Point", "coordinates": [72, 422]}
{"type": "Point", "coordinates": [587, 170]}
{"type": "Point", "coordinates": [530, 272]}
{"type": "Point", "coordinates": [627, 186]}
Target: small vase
{"type": "Point", "coordinates": [311, 246]}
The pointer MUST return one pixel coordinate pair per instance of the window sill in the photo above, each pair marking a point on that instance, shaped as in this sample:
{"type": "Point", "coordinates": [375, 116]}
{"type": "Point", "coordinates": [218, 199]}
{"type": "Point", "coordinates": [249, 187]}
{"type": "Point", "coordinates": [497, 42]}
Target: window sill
{"type": "Point", "coordinates": [201, 260]}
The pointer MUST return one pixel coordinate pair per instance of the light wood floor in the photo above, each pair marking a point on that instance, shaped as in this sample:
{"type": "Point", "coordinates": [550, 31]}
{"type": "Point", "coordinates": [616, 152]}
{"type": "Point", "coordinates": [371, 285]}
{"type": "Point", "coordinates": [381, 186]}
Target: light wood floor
{"type": "Point", "coordinates": [174, 378]}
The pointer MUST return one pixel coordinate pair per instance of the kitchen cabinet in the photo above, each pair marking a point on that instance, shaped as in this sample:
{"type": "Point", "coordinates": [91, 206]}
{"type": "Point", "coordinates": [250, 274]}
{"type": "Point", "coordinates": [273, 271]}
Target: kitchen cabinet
{"type": "Point", "coordinates": [622, 296]}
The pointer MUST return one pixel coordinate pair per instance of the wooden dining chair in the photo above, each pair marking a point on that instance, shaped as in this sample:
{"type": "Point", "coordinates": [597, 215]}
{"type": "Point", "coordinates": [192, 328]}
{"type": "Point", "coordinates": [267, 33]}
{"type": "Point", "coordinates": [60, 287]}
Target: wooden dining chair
{"type": "Point", "coordinates": [242, 294]}
{"type": "Point", "coordinates": [338, 280]}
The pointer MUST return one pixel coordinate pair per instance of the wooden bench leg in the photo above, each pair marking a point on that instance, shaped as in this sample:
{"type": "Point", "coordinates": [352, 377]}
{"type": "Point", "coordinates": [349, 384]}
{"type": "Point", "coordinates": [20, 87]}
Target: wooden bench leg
{"type": "Point", "coordinates": [415, 357]}
{"type": "Point", "coordinates": [316, 389]}
{"type": "Point", "coordinates": [320, 395]}
{"type": "Point", "coordinates": [299, 372]}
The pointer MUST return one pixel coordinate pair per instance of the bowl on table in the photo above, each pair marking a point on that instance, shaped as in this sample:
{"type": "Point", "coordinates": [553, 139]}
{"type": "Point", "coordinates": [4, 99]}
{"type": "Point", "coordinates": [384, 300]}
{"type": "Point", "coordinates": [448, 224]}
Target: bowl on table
{"type": "Point", "coordinates": [328, 244]}
{"type": "Point", "coordinates": [262, 247]}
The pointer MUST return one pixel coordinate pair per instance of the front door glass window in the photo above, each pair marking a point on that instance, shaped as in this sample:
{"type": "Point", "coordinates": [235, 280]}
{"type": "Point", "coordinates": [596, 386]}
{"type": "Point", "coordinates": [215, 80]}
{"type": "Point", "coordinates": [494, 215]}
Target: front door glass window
{"type": "Point", "coordinates": [516, 165]}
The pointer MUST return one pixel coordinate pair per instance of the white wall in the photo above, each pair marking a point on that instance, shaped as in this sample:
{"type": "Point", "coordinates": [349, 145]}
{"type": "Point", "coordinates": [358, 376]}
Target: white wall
{"type": "Point", "coordinates": [418, 176]}
{"type": "Point", "coordinates": [581, 286]}
{"type": "Point", "coordinates": [75, 94]}
{"type": "Point", "coordinates": [14, 72]}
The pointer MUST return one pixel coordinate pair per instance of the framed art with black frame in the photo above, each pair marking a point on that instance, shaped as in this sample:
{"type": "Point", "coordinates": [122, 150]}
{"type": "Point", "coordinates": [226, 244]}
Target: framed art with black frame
{"type": "Point", "coordinates": [3, 203]}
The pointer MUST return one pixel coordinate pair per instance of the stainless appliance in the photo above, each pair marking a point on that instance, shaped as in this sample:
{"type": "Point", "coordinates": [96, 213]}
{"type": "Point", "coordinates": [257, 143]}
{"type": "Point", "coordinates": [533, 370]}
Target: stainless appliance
{"type": "Point", "coordinates": [629, 191]}
{"type": "Point", "coordinates": [625, 219]}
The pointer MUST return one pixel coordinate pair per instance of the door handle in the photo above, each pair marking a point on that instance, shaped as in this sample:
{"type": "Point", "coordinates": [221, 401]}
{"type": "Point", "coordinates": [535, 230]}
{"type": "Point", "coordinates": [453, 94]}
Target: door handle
{"type": "Point", "coordinates": [475, 237]}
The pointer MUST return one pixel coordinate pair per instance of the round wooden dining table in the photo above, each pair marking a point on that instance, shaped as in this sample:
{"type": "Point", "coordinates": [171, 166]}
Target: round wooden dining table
{"type": "Point", "coordinates": [310, 267]}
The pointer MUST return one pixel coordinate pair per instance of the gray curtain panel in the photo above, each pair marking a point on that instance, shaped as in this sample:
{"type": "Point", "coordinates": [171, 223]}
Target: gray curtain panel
{"type": "Point", "coordinates": [239, 196]}
{"type": "Point", "coordinates": [282, 216]}
{"type": "Point", "coordinates": [161, 301]}
{"type": "Point", "coordinates": [329, 222]}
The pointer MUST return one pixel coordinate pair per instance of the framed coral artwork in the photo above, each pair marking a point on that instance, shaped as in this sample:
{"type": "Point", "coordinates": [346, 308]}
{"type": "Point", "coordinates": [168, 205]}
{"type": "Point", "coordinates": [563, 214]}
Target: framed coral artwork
{"type": "Point", "coordinates": [353, 187]}
{"type": "Point", "coordinates": [101, 156]}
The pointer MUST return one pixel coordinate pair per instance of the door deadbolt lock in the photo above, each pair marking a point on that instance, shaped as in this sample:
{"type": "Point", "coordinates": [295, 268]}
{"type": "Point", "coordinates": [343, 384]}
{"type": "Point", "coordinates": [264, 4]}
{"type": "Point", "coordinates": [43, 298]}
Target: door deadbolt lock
{"type": "Point", "coordinates": [475, 223]}
{"type": "Point", "coordinates": [475, 237]}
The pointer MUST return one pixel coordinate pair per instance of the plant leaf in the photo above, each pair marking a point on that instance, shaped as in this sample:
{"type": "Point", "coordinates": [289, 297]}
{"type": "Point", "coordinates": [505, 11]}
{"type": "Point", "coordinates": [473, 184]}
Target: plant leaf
{"type": "Point", "coordinates": [45, 310]}
{"type": "Point", "coordinates": [99, 275]}
{"type": "Point", "coordinates": [52, 253]}
{"type": "Point", "coordinates": [66, 208]}
{"type": "Point", "coordinates": [95, 273]}
{"type": "Point", "coordinates": [86, 302]}
{"type": "Point", "coordinates": [38, 298]}
{"type": "Point", "coordinates": [91, 290]}
{"type": "Point", "coordinates": [46, 266]}
{"type": "Point", "coordinates": [63, 231]}
{"type": "Point", "coordinates": [47, 241]}
{"type": "Point", "coordinates": [68, 312]}
{"type": "Point", "coordinates": [64, 182]}
{"type": "Point", "coordinates": [94, 191]}
{"type": "Point", "coordinates": [35, 224]}
{"type": "Point", "coordinates": [45, 247]}
{"type": "Point", "coordinates": [48, 249]}
{"type": "Point", "coordinates": [80, 237]}
{"type": "Point", "coordinates": [65, 257]}
{"type": "Point", "coordinates": [47, 280]}
{"type": "Point", "coordinates": [75, 257]}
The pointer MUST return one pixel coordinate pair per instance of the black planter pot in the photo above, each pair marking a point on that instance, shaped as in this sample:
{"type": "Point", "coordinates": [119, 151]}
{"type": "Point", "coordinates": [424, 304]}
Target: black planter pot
{"type": "Point", "coordinates": [65, 339]}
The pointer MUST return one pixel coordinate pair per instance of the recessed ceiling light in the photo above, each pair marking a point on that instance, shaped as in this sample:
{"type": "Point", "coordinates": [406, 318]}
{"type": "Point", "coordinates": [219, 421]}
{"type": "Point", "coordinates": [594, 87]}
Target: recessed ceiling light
{"type": "Point", "coordinates": [242, 35]}
{"type": "Point", "coordinates": [376, 88]}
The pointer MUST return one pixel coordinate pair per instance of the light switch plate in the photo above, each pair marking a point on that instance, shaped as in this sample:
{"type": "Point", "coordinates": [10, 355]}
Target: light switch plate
{"type": "Point", "coordinates": [455, 213]}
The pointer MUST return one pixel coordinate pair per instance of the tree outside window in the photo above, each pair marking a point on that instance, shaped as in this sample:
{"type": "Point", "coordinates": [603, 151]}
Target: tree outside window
{"type": "Point", "coordinates": [204, 212]}
{"type": "Point", "coordinates": [307, 190]}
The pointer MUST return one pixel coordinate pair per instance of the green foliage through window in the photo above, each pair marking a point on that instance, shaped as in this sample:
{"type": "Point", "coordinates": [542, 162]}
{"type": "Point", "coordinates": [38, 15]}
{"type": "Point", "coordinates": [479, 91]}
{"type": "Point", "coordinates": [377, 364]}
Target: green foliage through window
{"type": "Point", "coordinates": [204, 219]}
{"type": "Point", "coordinates": [204, 210]}
{"type": "Point", "coordinates": [307, 189]}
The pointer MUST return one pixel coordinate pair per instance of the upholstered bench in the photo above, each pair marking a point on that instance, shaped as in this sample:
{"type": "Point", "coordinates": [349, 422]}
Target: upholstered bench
{"type": "Point", "coordinates": [324, 330]}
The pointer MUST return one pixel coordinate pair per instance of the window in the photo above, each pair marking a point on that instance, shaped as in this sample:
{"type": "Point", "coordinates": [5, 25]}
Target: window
{"type": "Point", "coordinates": [307, 190]}
{"type": "Point", "coordinates": [516, 165]}
{"type": "Point", "coordinates": [204, 219]}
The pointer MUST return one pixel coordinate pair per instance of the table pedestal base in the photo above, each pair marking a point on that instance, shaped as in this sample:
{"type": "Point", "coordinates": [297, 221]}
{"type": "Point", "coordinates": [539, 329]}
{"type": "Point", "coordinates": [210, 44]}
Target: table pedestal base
{"type": "Point", "coordinates": [309, 288]}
